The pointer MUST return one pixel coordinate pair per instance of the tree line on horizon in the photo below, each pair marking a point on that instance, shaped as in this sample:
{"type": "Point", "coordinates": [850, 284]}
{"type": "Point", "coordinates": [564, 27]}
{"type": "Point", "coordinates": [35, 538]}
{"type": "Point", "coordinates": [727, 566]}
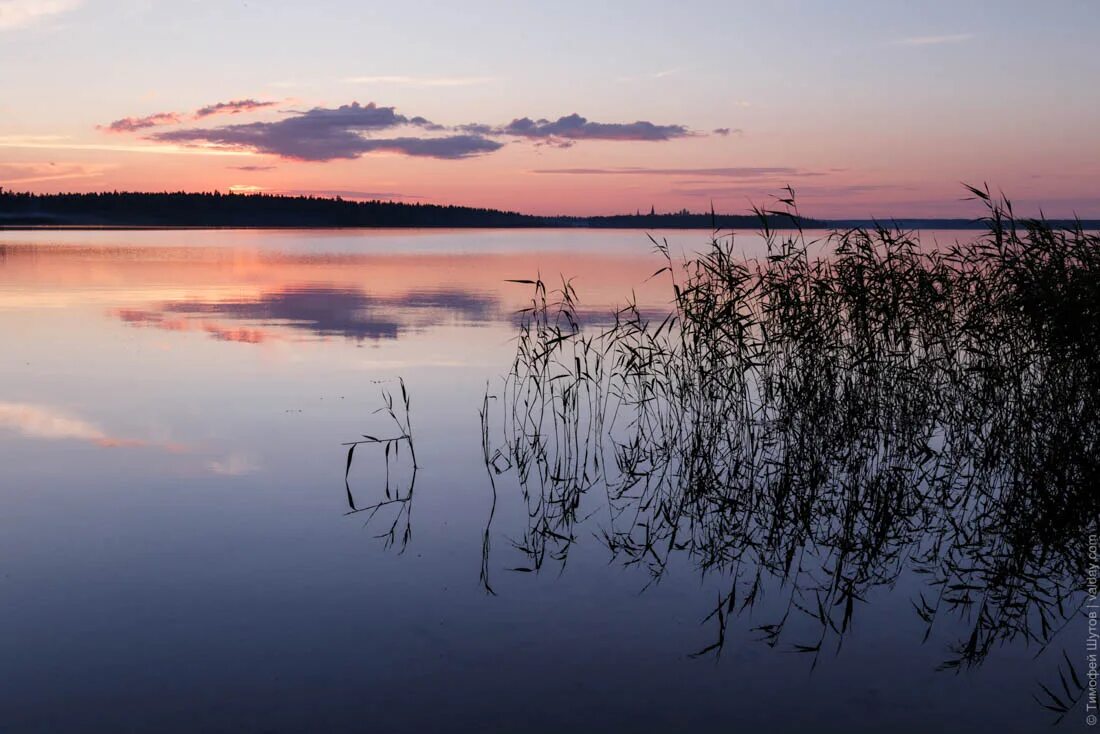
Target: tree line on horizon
{"type": "Point", "coordinates": [217, 209]}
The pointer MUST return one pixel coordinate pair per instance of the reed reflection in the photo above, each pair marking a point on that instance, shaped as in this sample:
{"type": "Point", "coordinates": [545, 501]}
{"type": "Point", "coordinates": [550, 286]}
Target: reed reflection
{"type": "Point", "coordinates": [816, 429]}
{"type": "Point", "coordinates": [396, 501]}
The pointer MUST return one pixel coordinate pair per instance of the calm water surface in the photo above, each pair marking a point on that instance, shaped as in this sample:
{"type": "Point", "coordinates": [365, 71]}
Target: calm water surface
{"type": "Point", "coordinates": [175, 553]}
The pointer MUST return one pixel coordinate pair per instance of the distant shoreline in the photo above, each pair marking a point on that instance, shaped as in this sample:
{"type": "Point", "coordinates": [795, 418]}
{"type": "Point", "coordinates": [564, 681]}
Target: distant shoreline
{"type": "Point", "coordinates": [816, 225]}
{"type": "Point", "coordinates": [21, 211]}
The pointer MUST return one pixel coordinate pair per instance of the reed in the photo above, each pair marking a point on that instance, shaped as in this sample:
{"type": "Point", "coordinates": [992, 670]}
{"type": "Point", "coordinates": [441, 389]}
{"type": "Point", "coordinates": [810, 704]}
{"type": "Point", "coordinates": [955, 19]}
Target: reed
{"type": "Point", "coordinates": [818, 423]}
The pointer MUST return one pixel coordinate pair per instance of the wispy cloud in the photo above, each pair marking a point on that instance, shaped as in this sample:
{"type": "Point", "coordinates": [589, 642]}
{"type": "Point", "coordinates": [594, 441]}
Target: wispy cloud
{"type": "Point", "coordinates": [234, 107]}
{"type": "Point", "coordinates": [133, 124]}
{"type": "Point", "coordinates": [421, 81]}
{"type": "Point", "coordinates": [158, 119]}
{"type": "Point", "coordinates": [934, 40]}
{"type": "Point", "coordinates": [752, 191]}
{"type": "Point", "coordinates": [61, 142]}
{"type": "Point", "coordinates": [19, 13]}
{"type": "Point", "coordinates": [730, 172]}
{"type": "Point", "coordinates": [25, 173]}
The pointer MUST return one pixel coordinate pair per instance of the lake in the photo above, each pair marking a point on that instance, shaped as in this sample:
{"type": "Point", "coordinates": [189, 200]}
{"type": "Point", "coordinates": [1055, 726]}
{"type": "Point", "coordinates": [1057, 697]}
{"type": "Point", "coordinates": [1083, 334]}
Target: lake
{"type": "Point", "coordinates": [177, 553]}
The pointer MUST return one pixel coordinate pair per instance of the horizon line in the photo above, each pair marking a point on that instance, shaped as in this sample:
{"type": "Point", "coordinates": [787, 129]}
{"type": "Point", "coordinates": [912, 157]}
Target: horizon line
{"type": "Point", "coordinates": [750, 213]}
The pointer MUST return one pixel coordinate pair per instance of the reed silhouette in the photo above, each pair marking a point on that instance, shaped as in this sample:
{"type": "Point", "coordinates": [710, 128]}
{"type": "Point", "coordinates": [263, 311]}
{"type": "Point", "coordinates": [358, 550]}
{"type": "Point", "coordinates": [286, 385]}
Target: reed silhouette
{"type": "Point", "coordinates": [825, 421]}
{"type": "Point", "coordinates": [816, 426]}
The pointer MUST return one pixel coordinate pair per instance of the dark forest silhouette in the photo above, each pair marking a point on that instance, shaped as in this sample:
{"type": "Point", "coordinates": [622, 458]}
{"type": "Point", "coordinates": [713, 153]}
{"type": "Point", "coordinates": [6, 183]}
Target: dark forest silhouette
{"type": "Point", "coordinates": [215, 209]}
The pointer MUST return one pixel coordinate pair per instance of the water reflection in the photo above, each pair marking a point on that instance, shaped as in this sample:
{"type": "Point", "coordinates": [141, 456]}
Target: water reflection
{"type": "Point", "coordinates": [814, 431]}
{"type": "Point", "coordinates": [222, 568]}
{"type": "Point", "coordinates": [396, 500]}
{"type": "Point", "coordinates": [258, 297]}
{"type": "Point", "coordinates": [51, 423]}
{"type": "Point", "coordinates": [321, 310]}
{"type": "Point", "coordinates": [153, 319]}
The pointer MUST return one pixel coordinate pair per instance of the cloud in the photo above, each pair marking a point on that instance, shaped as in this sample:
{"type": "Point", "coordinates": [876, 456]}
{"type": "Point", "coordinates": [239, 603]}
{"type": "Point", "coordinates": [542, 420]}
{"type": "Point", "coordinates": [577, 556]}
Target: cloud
{"type": "Point", "coordinates": [60, 142]}
{"type": "Point", "coordinates": [133, 124]}
{"type": "Point", "coordinates": [19, 13]}
{"type": "Point", "coordinates": [732, 172]}
{"type": "Point", "coordinates": [555, 143]}
{"type": "Point", "coordinates": [24, 173]}
{"type": "Point", "coordinates": [934, 40]}
{"type": "Point", "coordinates": [253, 169]}
{"type": "Point", "coordinates": [352, 130]}
{"type": "Point", "coordinates": [426, 124]}
{"type": "Point", "coordinates": [325, 134]}
{"type": "Point", "coordinates": [234, 107]}
{"type": "Point", "coordinates": [452, 147]}
{"type": "Point", "coordinates": [725, 132]}
{"type": "Point", "coordinates": [804, 192]}
{"type": "Point", "coordinates": [575, 127]}
{"type": "Point", "coordinates": [415, 81]}
{"type": "Point", "coordinates": [477, 128]}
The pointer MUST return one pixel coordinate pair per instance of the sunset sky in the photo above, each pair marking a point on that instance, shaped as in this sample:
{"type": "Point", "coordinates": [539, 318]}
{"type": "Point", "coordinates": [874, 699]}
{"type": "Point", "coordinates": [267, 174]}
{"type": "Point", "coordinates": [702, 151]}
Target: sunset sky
{"type": "Point", "coordinates": [865, 108]}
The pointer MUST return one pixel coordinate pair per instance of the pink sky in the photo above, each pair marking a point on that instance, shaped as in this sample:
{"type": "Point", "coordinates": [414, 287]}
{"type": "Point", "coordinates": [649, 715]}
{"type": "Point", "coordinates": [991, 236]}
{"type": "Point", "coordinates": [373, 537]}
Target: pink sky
{"type": "Point", "coordinates": [863, 110]}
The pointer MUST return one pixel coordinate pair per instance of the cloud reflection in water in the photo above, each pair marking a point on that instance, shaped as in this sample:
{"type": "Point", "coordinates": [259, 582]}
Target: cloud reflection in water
{"type": "Point", "coordinates": [321, 310]}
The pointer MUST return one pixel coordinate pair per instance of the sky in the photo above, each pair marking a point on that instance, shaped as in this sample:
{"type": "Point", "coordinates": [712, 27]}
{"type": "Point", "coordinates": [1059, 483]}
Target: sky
{"type": "Point", "coordinates": [863, 108]}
